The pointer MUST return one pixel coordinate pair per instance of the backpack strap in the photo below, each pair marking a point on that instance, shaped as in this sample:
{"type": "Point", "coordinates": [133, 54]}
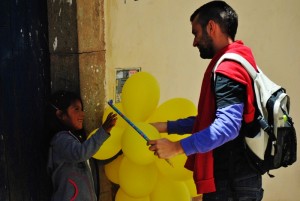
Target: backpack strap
{"type": "Point", "coordinates": [251, 71]}
{"type": "Point", "coordinates": [253, 74]}
{"type": "Point", "coordinates": [238, 58]}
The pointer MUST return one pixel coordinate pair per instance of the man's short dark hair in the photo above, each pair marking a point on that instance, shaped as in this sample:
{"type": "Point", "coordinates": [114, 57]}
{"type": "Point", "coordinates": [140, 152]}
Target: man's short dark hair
{"type": "Point", "coordinates": [221, 13]}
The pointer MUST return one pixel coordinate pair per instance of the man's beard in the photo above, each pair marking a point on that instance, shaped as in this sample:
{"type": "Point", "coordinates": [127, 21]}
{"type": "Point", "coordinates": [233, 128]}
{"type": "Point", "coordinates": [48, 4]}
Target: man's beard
{"type": "Point", "coordinates": [206, 48]}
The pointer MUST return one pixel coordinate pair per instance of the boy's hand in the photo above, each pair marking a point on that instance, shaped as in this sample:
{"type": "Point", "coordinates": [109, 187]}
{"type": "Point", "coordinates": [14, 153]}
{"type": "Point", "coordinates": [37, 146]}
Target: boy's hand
{"type": "Point", "coordinates": [110, 122]}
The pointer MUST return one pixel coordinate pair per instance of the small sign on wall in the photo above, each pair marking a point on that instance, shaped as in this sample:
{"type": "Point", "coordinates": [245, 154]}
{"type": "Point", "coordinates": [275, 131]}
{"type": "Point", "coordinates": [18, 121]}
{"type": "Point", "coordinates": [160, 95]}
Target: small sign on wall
{"type": "Point", "coordinates": [122, 74]}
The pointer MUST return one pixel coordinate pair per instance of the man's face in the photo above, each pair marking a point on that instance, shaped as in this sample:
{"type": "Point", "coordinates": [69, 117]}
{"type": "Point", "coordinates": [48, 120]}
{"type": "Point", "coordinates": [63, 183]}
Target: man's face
{"type": "Point", "coordinates": [202, 40]}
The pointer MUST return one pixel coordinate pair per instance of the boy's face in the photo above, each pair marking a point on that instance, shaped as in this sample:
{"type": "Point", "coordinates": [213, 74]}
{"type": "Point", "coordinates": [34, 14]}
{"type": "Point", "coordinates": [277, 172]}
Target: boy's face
{"type": "Point", "coordinates": [74, 116]}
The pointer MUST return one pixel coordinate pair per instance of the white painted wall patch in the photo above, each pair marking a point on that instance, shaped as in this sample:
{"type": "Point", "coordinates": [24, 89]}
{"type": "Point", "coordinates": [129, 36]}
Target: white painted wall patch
{"type": "Point", "coordinates": [55, 43]}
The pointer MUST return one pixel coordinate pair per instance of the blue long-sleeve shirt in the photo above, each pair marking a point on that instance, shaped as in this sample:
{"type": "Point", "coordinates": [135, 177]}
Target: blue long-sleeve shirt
{"type": "Point", "coordinates": [230, 96]}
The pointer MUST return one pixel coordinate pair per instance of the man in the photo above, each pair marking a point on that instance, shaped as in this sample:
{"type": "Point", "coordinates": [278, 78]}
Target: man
{"type": "Point", "coordinates": [226, 107]}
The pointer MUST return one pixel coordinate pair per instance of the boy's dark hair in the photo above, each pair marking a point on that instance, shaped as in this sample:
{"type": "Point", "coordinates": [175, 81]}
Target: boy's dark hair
{"type": "Point", "coordinates": [221, 13]}
{"type": "Point", "coordinates": [60, 100]}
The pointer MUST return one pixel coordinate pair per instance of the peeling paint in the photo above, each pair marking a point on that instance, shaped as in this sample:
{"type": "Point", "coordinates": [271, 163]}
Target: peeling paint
{"type": "Point", "coordinates": [55, 43]}
{"type": "Point", "coordinates": [69, 2]}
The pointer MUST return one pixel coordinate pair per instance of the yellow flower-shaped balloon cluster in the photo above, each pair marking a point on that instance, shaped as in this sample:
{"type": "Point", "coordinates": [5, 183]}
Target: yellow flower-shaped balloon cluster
{"type": "Point", "coordinates": [141, 175]}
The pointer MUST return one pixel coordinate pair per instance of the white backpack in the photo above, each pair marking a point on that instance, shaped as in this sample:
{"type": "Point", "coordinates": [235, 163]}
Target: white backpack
{"type": "Point", "coordinates": [275, 145]}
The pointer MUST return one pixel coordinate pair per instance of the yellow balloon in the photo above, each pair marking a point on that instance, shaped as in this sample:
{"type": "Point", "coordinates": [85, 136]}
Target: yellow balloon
{"type": "Point", "coordinates": [111, 146]}
{"type": "Point", "coordinates": [190, 183]}
{"type": "Point", "coordinates": [120, 121]}
{"type": "Point", "coordinates": [137, 180]}
{"type": "Point", "coordinates": [122, 196]}
{"type": "Point", "coordinates": [173, 109]}
{"type": "Point", "coordinates": [135, 147]}
{"type": "Point", "coordinates": [168, 190]}
{"type": "Point", "coordinates": [178, 172]}
{"type": "Point", "coordinates": [140, 96]}
{"type": "Point", "coordinates": [112, 169]}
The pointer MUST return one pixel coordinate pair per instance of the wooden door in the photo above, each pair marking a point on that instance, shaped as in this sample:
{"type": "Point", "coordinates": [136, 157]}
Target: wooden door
{"type": "Point", "coordinates": [24, 84]}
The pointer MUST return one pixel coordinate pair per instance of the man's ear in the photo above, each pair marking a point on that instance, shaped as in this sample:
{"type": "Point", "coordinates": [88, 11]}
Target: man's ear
{"type": "Point", "coordinates": [211, 27]}
{"type": "Point", "coordinates": [59, 114]}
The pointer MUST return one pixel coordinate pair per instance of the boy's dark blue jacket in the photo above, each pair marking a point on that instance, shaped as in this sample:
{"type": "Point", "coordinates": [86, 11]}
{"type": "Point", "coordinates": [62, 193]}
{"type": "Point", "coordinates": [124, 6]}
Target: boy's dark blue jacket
{"type": "Point", "coordinates": [69, 168]}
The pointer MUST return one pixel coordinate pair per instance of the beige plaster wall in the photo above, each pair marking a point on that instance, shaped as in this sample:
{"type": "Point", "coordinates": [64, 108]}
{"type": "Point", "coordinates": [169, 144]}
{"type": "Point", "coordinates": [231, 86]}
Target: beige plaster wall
{"type": "Point", "coordinates": [156, 35]}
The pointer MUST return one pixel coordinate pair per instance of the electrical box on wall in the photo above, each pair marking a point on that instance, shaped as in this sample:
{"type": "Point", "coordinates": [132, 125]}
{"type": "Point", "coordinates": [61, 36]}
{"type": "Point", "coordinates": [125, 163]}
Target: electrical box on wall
{"type": "Point", "coordinates": [122, 74]}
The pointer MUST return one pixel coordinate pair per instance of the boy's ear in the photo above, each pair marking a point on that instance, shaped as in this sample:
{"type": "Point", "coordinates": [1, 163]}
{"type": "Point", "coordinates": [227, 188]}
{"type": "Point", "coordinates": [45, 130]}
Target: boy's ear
{"type": "Point", "coordinates": [59, 114]}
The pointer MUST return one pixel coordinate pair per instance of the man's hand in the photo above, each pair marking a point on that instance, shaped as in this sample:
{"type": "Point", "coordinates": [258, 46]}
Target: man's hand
{"type": "Point", "coordinates": [162, 127]}
{"type": "Point", "coordinates": [165, 148]}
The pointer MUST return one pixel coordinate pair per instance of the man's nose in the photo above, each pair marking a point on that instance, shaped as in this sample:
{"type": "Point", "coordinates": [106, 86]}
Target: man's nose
{"type": "Point", "coordinates": [195, 43]}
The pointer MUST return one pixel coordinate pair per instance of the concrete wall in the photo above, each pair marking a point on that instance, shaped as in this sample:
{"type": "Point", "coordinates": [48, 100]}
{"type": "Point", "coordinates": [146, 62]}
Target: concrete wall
{"type": "Point", "coordinates": [77, 54]}
{"type": "Point", "coordinates": [156, 35]}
